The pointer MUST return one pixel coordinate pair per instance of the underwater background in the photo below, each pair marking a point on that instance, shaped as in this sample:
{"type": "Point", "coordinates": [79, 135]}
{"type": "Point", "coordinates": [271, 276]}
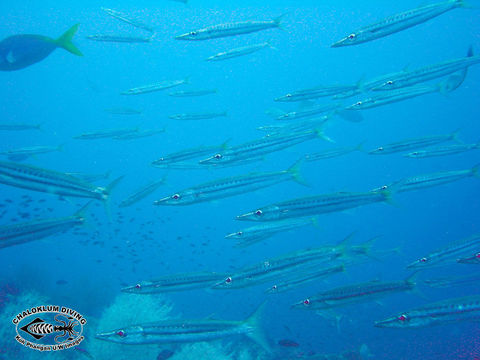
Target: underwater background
{"type": "Point", "coordinates": [85, 268]}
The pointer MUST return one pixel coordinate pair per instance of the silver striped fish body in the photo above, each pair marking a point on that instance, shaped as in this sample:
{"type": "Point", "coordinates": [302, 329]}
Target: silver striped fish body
{"type": "Point", "coordinates": [222, 188]}
{"type": "Point", "coordinates": [392, 96]}
{"type": "Point", "coordinates": [438, 313]}
{"type": "Point", "coordinates": [198, 116]}
{"type": "Point", "coordinates": [108, 133]}
{"type": "Point", "coordinates": [193, 93]}
{"type": "Point", "coordinates": [19, 127]}
{"type": "Point", "coordinates": [310, 112]}
{"type": "Point", "coordinates": [443, 150]}
{"type": "Point", "coordinates": [332, 153]}
{"type": "Point", "coordinates": [229, 29]}
{"type": "Point", "coordinates": [317, 92]}
{"type": "Point", "coordinates": [33, 150]}
{"type": "Point", "coordinates": [412, 144]}
{"type": "Point", "coordinates": [128, 19]}
{"type": "Point", "coordinates": [139, 134]}
{"type": "Point", "coordinates": [435, 179]}
{"type": "Point", "coordinates": [177, 282]}
{"type": "Point", "coordinates": [20, 233]}
{"type": "Point", "coordinates": [279, 267]}
{"type": "Point", "coordinates": [352, 294]}
{"type": "Point", "coordinates": [409, 78]}
{"type": "Point", "coordinates": [142, 193]}
{"type": "Point", "coordinates": [257, 148]}
{"type": "Point", "coordinates": [241, 51]}
{"type": "Point", "coordinates": [162, 85]}
{"type": "Point", "coordinates": [314, 205]}
{"type": "Point", "coordinates": [313, 274]}
{"type": "Point", "coordinates": [295, 127]}
{"type": "Point", "coordinates": [119, 38]}
{"type": "Point", "coordinates": [187, 154]}
{"type": "Point", "coordinates": [398, 22]}
{"type": "Point", "coordinates": [448, 254]}
{"type": "Point", "coordinates": [49, 181]}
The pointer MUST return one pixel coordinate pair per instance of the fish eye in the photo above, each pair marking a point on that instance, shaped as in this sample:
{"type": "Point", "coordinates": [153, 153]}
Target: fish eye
{"type": "Point", "coordinates": [121, 333]}
{"type": "Point", "coordinates": [423, 260]}
{"type": "Point", "coordinates": [228, 280]}
{"type": "Point", "coordinates": [259, 212]}
{"type": "Point", "coordinates": [380, 148]}
{"type": "Point", "coordinates": [352, 36]}
{"type": "Point", "coordinates": [175, 196]}
{"type": "Point", "coordinates": [403, 317]}
{"type": "Point", "coordinates": [193, 33]}
{"type": "Point", "coordinates": [389, 82]}
{"type": "Point", "coordinates": [274, 287]}
{"type": "Point", "coordinates": [218, 156]}
{"type": "Point", "coordinates": [358, 103]}
{"type": "Point", "coordinates": [288, 95]}
{"type": "Point", "coordinates": [138, 286]}
{"type": "Point", "coordinates": [415, 153]}
{"type": "Point", "coordinates": [240, 233]}
{"type": "Point", "coordinates": [306, 302]}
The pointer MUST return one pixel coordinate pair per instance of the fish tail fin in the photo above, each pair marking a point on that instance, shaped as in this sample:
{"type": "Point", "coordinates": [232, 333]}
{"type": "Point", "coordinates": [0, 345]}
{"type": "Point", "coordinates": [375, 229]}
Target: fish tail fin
{"type": "Point", "coordinates": [296, 174]}
{"type": "Point", "coordinates": [344, 244]}
{"type": "Point", "coordinates": [224, 113]}
{"type": "Point", "coordinates": [464, 4]}
{"type": "Point", "coordinates": [256, 333]}
{"type": "Point", "coordinates": [278, 21]}
{"type": "Point", "coordinates": [83, 209]}
{"type": "Point", "coordinates": [269, 44]}
{"type": "Point", "coordinates": [322, 135]}
{"type": "Point", "coordinates": [454, 136]}
{"type": "Point", "coordinates": [476, 171]}
{"type": "Point", "coordinates": [65, 41]}
{"type": "Point", "coordinates": [108, 191]}
{"type": "Point", "coordinates": [314, 221]}
{"type": "Point", "coordinates": [360, 147]}
{"type": "Point", "coordinates": [366, 248]}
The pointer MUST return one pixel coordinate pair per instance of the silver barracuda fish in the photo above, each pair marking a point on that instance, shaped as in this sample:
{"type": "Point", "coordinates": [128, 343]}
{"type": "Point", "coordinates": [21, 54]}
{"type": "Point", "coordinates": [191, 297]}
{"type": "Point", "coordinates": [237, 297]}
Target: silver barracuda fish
{"type": "Point", "coordinates": [320, 204]}
{"type": "Point", "coordinates": [193, 93]}
{"type": "Point", "coordinates": [435, 179]}
{"type": "Point", "coordinates": [448, 254]}
{"type": "Point", "coordinates": [26, 152]}
{"type": "Point", "coordinates": [474, 259]}
{"type": "Point", "coordinates": [139, 134]}
{"type": "Point", "coordinates": [410, 144]}
{"type": "Point", "coordinates": [443, 150]}
{"type": "Point", "coordinates": [328, 154]}
{"type": "Point", "coordinates": [413, 77]}
{"type": "Point", "coordinates": [241, 51]}
{"type": "Point", "coordinates": [198, 116]}
{"type": "Point", "coordinates": [128, 19]}
{"type": "Point", "coordinates": [393, 96]}
{"type": "Point", "coordinates": [291, 264]}
{"type": "Point", "coordinates": [120, 38]}
{"type": "Point", "coordinates": [231, 29]}
{"type": "Point", "coordinates": [20, 233]}
{"type": "Point", "coordinates": [352, 294]}
{"type": "Point", "coordinates": [50, 181]}
{"type": "Point", "coordinates": [108, 133]}
{"type": "Point", "coordinates": [314, 274]}
{"type": "Point", "coordinates": [446, 282]}
{"type": "Point", "coordinates": [398, 22]}
{"type": "Point", "coordinates": [317, 92]}
{"type": "Point", "coordinates": [438, 313]}
{"type": "Point", "coordinates": [296, 126]}
{"type": "Point", "coordinates": [231, 186]}
{"type": "Point", "coordinates": [142, 193]}
{"type": "Point", "coordinates": [176, 282]}
{"type": "Point", "coordinates": [179, 157]}
{"type": "Point", "coordinates": [256, 149]}
{"type": "Point", "coordinates": [254, 234]}
{"type": "Point", "coordinates": [162, 85]}
{"type": "Point", "coordinates": [187, 331]}
{"type": "Point", "coordinates": [309, 112]}
{"type": "Point", "coordinates": [19, 127]}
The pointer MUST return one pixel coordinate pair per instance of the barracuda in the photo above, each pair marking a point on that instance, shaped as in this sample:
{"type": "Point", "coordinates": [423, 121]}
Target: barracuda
{"type": "Point", "coordinates": [16, 234]}
{"type": "Point", "coordinates": [443, 150]}
{"type": "Point", "coordinates": [317, 92]}
{"type": "Point", "coordinates": [128, 19]}
{"type": "Point", "coordinates": [119, 38]}
{"type": "Point", "coordinates": [320, 204]}
{"type": "Point", "coordinates": [413, 143]}
{"type": "Point", "coordinates": [139, 134]}
{"type": "Point", "coordinates": [177, 282]}
{"type": "Point", "coordinates": [198, 116]}
{"type": "Point", "coordinates": [352, 294]}
{"type": "Point", "coordinates": [398, 22]}
{"type": "Point", "coordinates": [241, 51]}
{"type": "Point", "coordinates": [188, 331]}
{"type": "Point", "coordinates": [448, 254]}
{"type": "Point", "coordinates": [108, 133]}
{"type": "Point", "coordinates": [53, 182]}
{"type": "Point", "coordinates": [193, 93]}
{"type": "Point", "coordinates": [257, 148]}
{"type": "Point", "coordinates": [162, 85]}
{"type": "Point", "coordinates": [187, 154]}
{"type": "Point", "coordinates": [142, 193]}
{"type": "Point", "coordinates": [333, 153]}
{"type": "Point", "coordinates": [231, 186]}
{"type": "Point", "coordinates": [231, 29]}
{"type": "Point", "coordinates": [309, 112]}
{"type": "Point", "coordinates": [439, 313]}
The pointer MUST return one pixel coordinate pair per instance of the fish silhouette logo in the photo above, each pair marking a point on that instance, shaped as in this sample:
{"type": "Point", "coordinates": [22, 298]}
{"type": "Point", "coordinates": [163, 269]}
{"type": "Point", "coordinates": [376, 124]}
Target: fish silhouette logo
{"type": "Point", "coordinates": [49, 328]}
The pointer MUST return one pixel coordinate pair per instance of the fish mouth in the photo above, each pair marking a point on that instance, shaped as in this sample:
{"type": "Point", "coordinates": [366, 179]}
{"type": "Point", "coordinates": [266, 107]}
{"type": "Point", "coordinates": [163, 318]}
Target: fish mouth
{"type": "Point", "coordinates": [339, 43]}
{"type": "Point", "coordinates": [230, 236]}
{"type": "Point", "coordinates": [207, 161]}
{"type": "Point", "coordinates": [181, 37]}
{"type": "Point", "coordinates": [105, 336]}
{"type": "Point", "coordinates": [247, 216]}
{"type": "Point", "coordinates": [162, 201]}
{"type": "Point", "coordinates": [382, 323]}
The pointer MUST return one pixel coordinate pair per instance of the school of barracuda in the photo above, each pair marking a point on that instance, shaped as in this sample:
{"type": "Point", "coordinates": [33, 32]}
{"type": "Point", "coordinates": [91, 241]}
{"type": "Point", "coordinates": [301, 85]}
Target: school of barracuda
{"type": "Point", "coordinates": [307, 124]}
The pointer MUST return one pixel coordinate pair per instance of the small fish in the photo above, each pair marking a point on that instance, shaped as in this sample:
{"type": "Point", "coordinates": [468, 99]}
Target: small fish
{"type": "Point", "coordinates": [31, 151]}
{"type": "Point", "coordinates": [139, 134]}
{"type": "Point", "coordinates": [20, 51]}
{"type": "Point", "coordinates": [128, 19]}
{"type": "Point", "coordinates": [309, 112]}
{"type": "Point", "coordinates": [198, 116]}
{"type": "Point", "coordinates": [231, 29]}
{"type": "Point", "coordinates": [241, 51]}
{"type": "Point", "coordinates": [19, 127]}
{"type": "Point", "coordinates": [180, 157]}
{"type": "Point", "coordinates": [328, 154]}
{"type": "Point", "coordinates": [317, 92]}
{"type": "Point", "coordinates": [443, 150]}
{"type": "Point", "coordinates": [438, 313]}
{"type": "Point", "coordinates": [119, 38]}
{"type": "Point", "coordinates": [398, 22]}
{"type": "Point", "coordinates": [193, 93]}
{"type": "Point", "coordinates": [162, 85]}
{"type": "Point", "coordinates": [108, 133]}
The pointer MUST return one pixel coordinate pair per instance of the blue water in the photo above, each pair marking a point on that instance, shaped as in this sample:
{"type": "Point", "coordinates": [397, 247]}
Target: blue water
{"type": "Point", "coordinates": [68, 95]}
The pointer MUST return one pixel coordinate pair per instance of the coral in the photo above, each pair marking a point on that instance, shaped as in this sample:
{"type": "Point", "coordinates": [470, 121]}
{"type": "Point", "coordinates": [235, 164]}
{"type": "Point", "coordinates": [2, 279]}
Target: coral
{"type": "Point", "coordinates": [126, 309]}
